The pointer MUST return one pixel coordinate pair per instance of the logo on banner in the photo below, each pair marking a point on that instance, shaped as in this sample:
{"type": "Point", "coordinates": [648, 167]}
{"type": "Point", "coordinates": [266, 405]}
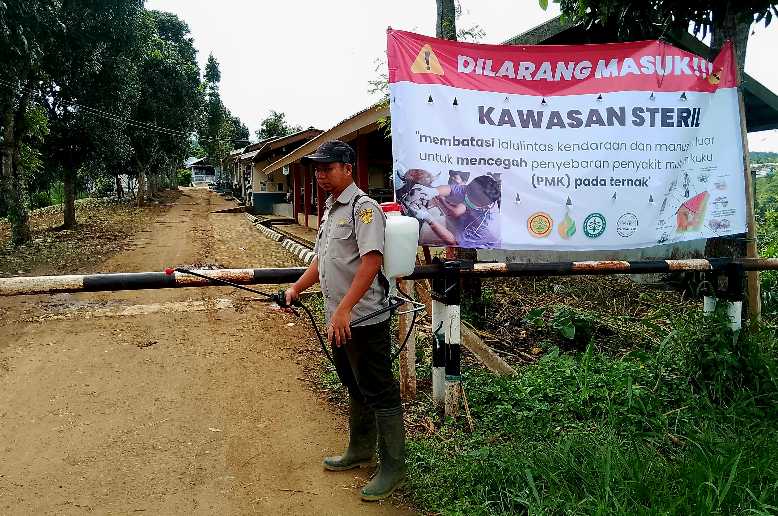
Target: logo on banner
{"type": "Point", "coordinates": [691, 214]}
{"type": "Point", "coordinates": [594, 225]}
{"type": "Point", "coordinates": [567, 228]}
{"type": "Point", "coordinates": [627, 225]}
{"type": "Point", "coordinates": [540, 224]}
{"type": "Point", "coordinates": [427, 62]}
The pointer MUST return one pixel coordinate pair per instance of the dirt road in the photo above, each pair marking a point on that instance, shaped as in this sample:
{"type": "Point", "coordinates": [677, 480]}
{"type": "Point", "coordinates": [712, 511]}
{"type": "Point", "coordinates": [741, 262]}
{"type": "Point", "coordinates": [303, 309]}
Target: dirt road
{"type": "Point", "coordinates": [185, 401]}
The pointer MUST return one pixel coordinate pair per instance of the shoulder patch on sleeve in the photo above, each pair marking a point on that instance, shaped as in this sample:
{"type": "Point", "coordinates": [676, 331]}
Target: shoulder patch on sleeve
{"type": "Point", "coordinates": [366, 214]}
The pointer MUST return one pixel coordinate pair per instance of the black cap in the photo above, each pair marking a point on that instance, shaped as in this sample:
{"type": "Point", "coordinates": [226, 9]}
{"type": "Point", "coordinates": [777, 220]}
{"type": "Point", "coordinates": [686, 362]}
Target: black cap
{"type": "Point", "coordinates": [333, 151]}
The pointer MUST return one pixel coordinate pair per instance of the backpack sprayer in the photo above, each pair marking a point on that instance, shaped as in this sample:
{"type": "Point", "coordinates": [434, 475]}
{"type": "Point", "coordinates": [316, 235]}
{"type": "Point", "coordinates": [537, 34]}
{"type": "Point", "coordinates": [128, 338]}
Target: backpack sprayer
{"type": "Point", "coordinates": [401, 239]}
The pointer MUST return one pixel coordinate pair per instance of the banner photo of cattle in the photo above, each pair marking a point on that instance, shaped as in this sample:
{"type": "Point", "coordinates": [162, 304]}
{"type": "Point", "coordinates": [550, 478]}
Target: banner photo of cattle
{"type": "Point", "coordinates": [579, 147]}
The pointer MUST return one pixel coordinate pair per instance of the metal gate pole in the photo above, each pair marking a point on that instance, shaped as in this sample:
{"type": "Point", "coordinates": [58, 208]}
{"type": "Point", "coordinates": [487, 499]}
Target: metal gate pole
{"type": "Point", "coordinates": [446, 352]}
{"type": "Point", "coordinates": [732, 295]}
{"type": "Point", "coordinates": [438, 343]}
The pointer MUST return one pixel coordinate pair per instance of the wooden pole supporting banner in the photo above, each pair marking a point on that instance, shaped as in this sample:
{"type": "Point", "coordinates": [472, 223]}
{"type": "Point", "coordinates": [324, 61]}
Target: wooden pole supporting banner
{"type": "Point", "coordinates": [408, 354]}
{"type": "Point", "coordinates": [753, 288]}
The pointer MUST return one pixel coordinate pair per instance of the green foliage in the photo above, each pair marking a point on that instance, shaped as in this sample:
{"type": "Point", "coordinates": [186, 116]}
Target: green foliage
{"type": "Point", "coordinates": [665, 431]}
{"type": "Point", "coordinates": [91, 88]}
{"type": "Point", "coordinates": [212, 74]}
{"type": "Point", "coordinates": [184, 177]}
{"type": "Point", "coordinates": [763, 157]}
{"type": "Point", "coordinates": [718, 365]}
{"type": "Point", "coordinates": [475, 304]}
{"type": "Point", "coordinates": [568, 322]}
{"type": "Point", "coordinates": [766, 201]}
{"type": "Point", "coordinates": [634, 19]}
{"type": "Point", "coordinates": [169, 59]}
{"type": "Point", "coordinates": [275, 126]}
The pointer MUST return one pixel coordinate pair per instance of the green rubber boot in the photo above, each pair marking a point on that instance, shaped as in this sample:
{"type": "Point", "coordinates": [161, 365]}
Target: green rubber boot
{"type": "Point", "coordinates": [391, 453]}
{"type": "Point", "coordinates": [362, 439]}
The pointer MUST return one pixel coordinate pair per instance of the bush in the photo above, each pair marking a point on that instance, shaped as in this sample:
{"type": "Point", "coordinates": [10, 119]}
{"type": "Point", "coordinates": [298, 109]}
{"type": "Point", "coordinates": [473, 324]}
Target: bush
{"type": "Point", "coordinates": [685, 428]}
{"type": "Point", "coordinates": [768, 248]}
{"type": "Point", "coordinates": [184, 177]}
{"type": "Point", "coordinates": [719, 365]}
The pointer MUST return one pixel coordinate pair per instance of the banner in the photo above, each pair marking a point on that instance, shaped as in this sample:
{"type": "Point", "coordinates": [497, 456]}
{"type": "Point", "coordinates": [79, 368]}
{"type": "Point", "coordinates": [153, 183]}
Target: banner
{"type": "Point", "coordinates": [574, 147]}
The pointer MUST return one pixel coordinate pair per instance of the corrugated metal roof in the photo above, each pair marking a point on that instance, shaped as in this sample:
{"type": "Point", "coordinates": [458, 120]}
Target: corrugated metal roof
{"type": "Point", "coordinates": [249, 155]}
{"type": "Point", "coordinates": [359, 120]}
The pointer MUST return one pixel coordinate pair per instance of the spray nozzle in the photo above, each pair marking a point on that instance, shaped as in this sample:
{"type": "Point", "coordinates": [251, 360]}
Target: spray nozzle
{"type": "Point", "coordinates": [279, 298]}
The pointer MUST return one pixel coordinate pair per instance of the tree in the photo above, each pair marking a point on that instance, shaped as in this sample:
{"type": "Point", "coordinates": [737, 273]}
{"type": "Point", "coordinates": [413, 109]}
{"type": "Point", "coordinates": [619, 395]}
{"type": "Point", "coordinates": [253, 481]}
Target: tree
{"type": "Point", "coordinates": [446, 25]}
{"type": "Point", "coordinates": [219, 131]}
{"type": "Point", "coordinates": [169, 101]}
{"type": "Point", "coordinates": [212, 74]}
{"type": "Point", "coordinates": [240, 133]}
{"type": "Point", "coordinates": [275, 126]}
{"type": "Point", "coordinates": [26, 30]}
{"type": "Point", "coordinates": [90, 72]}
{"type": "Point", "coordinates": [641, 19]}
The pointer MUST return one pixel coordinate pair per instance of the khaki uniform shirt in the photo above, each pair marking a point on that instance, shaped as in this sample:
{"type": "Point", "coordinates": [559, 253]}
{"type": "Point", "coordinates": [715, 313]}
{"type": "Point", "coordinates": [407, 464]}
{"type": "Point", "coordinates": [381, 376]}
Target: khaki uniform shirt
{"type": "Point", "coordinates": [340, 244]}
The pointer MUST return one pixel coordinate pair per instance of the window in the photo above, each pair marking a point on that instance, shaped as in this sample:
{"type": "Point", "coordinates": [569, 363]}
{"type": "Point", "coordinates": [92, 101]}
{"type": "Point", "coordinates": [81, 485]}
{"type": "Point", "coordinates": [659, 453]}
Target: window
{"type": "Point", "coordinates": [280, 187]}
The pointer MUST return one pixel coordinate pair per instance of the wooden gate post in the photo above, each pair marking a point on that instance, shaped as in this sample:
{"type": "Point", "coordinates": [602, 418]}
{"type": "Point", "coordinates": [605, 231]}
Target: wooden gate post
{"type": "Point", "coordinates": [408, 354]}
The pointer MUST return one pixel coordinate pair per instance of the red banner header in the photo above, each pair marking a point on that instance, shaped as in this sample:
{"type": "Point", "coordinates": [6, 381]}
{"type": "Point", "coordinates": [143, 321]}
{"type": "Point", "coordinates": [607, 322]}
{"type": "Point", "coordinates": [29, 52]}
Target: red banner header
{"type": "Point", "coordinates": [556, 69]}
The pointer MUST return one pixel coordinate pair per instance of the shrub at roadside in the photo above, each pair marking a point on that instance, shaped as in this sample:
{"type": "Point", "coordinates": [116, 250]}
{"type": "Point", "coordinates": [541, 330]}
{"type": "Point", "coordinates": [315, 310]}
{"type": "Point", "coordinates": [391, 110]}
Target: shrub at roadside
{"type": "Point", "coordinates": [184, 177]}
{"type": "Point", "coordinates": [686, 428]}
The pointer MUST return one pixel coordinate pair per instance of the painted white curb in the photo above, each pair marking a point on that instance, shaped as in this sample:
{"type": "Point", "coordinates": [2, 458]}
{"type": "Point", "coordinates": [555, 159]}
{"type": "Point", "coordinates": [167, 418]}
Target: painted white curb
{"type": "Point", "coordinates": [303, 253]}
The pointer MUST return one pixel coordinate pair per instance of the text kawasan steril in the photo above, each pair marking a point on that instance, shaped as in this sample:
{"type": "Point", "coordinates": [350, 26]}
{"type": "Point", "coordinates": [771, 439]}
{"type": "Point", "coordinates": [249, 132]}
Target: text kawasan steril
{"type": "Point", "coordinates": [641, 116]}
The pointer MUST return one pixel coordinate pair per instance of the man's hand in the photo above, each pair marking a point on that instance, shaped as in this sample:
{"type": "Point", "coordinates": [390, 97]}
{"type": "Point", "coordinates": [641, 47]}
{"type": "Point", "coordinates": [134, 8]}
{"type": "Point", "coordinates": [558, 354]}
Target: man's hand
{"type": "Point", "coordinates": [339, 330]}
{"type": "Point", "coordinates": [291, 295]}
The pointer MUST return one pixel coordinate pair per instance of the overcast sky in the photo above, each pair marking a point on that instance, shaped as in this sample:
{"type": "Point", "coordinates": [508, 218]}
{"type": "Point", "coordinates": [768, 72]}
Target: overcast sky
{"type": "Point", "coordinates": [312, 60]}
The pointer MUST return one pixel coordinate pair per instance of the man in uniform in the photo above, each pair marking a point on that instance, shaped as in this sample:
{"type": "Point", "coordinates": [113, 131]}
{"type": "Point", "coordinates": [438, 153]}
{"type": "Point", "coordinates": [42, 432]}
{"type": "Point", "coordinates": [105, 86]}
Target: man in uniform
{"type": "Point", "coordinates": [349, 253]}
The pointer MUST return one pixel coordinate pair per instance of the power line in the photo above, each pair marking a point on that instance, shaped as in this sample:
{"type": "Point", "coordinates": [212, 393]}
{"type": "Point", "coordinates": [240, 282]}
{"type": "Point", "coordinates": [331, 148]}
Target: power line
{"type": "Point", "coordinates": [138, 124]}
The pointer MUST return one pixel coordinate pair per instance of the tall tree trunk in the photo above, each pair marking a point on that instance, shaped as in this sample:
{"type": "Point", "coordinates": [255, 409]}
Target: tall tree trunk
{"type": "Point", "coordinates": [151, 181]}
{"type": "Point", "coordinates": [69, 187]}
{"type": "Point", "coordinates": [119, 188]}
{"type": "Point", "coordinates": [141, 186]}
{"type": "Point", "coordinates": [11, 182]}
{"type": "Point", "coordinates": [446, 26]}
{"type": "Point", "coordinates": [729, 24]}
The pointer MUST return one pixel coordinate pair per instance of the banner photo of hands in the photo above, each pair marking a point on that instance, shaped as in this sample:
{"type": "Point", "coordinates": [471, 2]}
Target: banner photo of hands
{"type": "Point", "coordinates": [576, 147]}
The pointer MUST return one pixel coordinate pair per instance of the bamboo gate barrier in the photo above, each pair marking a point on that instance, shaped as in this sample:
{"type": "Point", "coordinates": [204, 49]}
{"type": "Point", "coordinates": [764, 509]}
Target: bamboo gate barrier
{"type": "Point", "coordinates": [445, 297]}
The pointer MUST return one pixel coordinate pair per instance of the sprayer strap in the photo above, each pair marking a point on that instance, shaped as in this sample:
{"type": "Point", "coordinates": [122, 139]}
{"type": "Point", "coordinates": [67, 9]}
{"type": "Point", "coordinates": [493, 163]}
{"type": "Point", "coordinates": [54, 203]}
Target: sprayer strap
{"type": "Point", "coordinates": [382, 280]}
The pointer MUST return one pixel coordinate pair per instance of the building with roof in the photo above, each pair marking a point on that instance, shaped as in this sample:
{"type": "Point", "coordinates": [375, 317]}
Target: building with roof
{"type": "Point", "coordinates": [202, 170]}
{"type": "Point", "coordinates": [270, 188]}
{"type": "Point", "coordinates": [249, 184]}
{"type": "Point", "coordinates": [372, 173]}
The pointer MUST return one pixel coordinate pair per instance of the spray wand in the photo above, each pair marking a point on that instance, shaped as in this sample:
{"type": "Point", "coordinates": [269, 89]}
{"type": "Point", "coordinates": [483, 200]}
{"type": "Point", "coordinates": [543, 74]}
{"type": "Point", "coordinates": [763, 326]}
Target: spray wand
{"type": "Point", "coordinates": [280, 299]}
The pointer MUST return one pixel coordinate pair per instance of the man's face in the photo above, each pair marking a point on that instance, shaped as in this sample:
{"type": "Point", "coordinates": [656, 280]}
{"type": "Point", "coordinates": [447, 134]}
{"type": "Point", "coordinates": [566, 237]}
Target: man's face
{"type": "Point", "coordinates": [332, 177]}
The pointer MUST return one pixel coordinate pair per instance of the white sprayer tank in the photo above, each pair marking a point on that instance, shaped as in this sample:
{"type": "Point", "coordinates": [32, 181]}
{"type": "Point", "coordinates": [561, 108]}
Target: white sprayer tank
{"type": "Point", "coordinates": [402, 241]}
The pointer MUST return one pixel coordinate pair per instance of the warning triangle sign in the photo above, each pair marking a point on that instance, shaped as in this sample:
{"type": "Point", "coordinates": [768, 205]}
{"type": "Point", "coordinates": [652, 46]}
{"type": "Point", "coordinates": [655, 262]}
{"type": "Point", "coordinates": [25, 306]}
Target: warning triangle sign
{"type": "Point", "coordinates": [427, 62]}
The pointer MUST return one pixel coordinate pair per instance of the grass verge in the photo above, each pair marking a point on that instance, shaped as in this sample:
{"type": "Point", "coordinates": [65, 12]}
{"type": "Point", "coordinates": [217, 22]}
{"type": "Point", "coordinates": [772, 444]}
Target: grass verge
{"type": "Point", "coordinates": [684, 428]}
